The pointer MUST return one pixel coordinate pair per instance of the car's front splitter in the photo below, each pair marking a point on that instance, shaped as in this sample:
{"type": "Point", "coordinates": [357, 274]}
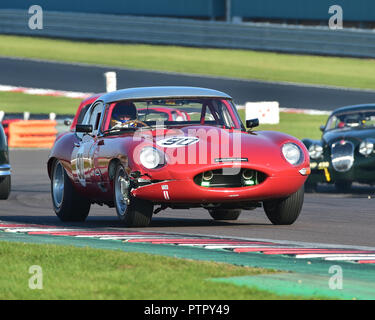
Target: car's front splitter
{"type": "Point", "coordinates": [186, 191]}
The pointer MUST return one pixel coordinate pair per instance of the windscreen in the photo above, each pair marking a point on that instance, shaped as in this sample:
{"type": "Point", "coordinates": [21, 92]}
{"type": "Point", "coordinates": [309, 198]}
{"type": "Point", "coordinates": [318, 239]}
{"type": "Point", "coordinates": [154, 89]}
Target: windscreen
{"type": "Point", "coordinates": [357, 119]}
{"type": "Point", "coordinates": [174, 112]}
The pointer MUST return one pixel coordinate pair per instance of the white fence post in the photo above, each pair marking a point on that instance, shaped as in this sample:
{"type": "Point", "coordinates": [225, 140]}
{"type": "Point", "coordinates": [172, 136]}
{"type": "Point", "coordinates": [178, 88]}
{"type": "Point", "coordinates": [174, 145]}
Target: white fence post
{"type": "Point", "coordinates": [111, 81]}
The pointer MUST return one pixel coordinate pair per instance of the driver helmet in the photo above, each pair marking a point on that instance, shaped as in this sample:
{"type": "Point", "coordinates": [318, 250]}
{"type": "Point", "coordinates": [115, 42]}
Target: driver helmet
{"type": "Point", "coordinates": [124, 111]}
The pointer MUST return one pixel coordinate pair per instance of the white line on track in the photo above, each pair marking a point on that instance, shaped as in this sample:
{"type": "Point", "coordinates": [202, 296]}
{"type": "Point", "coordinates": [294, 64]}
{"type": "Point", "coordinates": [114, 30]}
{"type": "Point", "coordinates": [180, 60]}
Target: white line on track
{"type": "Point", "coordinates": [351, 258]}
{"type": "Point", "coordinates": [297, 244]}
{"type": "Point", "coordinates": [39, 230]}
{"type": "Point", "coordinates": [109, 237]}
{"type": "Point", "coordinates": [211, 246]}
{"type": "Point", "coordinates": [333, 255]}
{"type": "Point", "coordinates": [246, 246]}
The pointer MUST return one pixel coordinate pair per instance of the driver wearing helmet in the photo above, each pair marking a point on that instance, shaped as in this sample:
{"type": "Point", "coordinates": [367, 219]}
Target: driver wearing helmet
{"type": "Point", "coordinates": [123, 115]}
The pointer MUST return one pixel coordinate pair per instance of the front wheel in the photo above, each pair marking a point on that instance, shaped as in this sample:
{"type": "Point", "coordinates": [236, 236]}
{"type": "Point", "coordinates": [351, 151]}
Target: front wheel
{"type": "Point", "coordinates": [284, 211]}
{"type": "Point", "coordinates": [133, 212]}
{"type": "Point", "coordinates": [225, 214]}
{"type": "Point", "coordinates": [4, 187]}
{"type": "Point", "coordinates": [69, 206]}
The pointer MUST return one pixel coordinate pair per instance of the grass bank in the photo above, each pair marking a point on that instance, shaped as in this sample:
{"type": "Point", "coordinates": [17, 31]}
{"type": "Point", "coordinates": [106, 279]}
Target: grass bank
{"type": "Point", "coordinates": [245, 64]}
{"type": "Point", "coordinates": [16, 102]}
{"type": "Point", "coordinates": [85, 273]}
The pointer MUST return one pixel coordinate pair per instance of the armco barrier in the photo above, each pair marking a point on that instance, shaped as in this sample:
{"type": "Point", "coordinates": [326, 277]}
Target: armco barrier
{"type": "Point", "coordinates": [32, 134]}
{"type": "Point", "coordinates": [188, 32]}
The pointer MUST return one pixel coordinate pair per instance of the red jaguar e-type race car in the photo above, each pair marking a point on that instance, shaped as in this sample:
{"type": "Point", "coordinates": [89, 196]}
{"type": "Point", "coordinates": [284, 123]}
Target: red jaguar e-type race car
{"type": "Point", "coordinates": [119, 157]}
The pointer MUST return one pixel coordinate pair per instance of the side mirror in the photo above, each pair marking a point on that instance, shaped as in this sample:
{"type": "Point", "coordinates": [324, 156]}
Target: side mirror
{"type": "Point", "coordinates": [68, 122]}
{"type": "Point", "coordinates": [85, 128]}
{"type": "Point", "coordinates": [322, 128]}
{"type": "Point", "coordinates": [252, 123]}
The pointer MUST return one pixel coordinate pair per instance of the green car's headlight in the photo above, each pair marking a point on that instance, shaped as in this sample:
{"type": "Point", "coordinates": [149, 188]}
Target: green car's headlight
{"type": "Point", "coordinates": [315, 151]}
{"type": "Point", "coordinates": [366, 147]}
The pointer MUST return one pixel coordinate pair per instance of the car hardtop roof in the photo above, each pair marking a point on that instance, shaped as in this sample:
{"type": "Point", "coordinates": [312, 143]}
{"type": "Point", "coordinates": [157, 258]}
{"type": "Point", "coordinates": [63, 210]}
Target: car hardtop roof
{"type": "Point", "coordinates": [358, 107]}
{"type": "Point", "coordinates": [161, 92]}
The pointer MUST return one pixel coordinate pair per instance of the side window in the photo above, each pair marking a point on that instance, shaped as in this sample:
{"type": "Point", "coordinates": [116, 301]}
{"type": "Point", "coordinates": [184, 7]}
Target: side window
{"type": "Point", "coordinates": [95, 116]}
{"type": "Point", "coordinates": [222, 113]}
{"type": "Point", "coordinates": [83, 113]}
{"type": "Point", "coordinates": [209, 116]}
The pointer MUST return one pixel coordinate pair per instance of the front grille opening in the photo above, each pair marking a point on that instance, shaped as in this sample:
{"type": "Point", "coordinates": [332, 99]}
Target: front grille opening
{"type": "Point", "coordinates": [229, 178]}
{"type": "Point", "coordinates": [342, 155]}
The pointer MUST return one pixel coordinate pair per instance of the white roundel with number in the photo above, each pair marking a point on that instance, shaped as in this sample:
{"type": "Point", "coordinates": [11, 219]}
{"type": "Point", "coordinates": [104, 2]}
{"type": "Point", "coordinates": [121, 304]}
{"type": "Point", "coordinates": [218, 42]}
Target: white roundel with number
{"type": "Point", "coordinates": [176, 142]}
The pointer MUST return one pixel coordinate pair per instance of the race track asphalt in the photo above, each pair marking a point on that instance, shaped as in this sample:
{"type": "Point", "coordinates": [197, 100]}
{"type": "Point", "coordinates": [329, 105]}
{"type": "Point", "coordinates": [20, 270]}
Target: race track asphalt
{"type": "Point", "coordinates": [83, 78]}
{"type": "Point", "coordinates": [327, 217]}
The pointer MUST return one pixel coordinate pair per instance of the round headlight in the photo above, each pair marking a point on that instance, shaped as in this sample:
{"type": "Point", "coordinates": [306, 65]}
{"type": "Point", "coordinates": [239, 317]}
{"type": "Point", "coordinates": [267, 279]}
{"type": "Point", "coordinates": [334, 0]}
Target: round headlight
{"type": "Point", "coordinates": [292, 153]}
{"type": "Point", "coordinates": [315, 151]}
{"type": "Point", "coordinates": [366, 148]}
{"type": "Point", "coordinates": [151, 158]}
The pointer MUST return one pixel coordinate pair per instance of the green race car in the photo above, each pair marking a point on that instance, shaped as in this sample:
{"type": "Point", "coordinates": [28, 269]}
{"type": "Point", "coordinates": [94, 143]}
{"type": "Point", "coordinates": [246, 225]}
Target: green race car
{"type": "Point", "coordinates": [5, 179]}
{"type": "Point", "coordinates": [346, 153]}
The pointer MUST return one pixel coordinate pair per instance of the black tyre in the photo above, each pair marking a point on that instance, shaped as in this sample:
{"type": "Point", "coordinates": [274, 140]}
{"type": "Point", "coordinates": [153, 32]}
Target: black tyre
{"type": "Point", "coordinates": [343, 186]}
{"type": "Point", "coordinates": [225, 214]}
{"type": "Point", "coordinates": [5, 184]}
{"type": "Point", "coordinates": [133, 212]}
{"type": "Point", "coordinates": [284, 211]}
{"type": "Point", "coordinates": [69, 206]}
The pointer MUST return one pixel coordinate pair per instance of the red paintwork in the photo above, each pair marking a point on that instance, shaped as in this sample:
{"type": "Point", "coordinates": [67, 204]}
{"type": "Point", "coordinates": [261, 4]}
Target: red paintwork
{"type": "Point", "coordinates": [263, 149]}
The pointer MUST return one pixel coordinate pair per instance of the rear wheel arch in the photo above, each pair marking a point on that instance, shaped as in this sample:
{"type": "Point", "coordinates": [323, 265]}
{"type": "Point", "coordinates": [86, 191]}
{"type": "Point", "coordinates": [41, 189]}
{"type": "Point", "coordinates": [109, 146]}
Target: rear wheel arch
{"type": "Point", "coordinates": [50, 164]}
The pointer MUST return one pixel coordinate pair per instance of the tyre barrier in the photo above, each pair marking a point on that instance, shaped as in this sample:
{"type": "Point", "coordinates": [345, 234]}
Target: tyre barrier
{"type": "Point", "coordinates": [32, 134]}
{"type": "Point", "coordinates": [6, 123]}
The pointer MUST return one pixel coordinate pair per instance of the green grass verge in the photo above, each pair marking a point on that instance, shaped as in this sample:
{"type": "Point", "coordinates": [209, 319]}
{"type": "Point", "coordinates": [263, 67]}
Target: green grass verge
{"type": "Point", "coordinates": [298, 125]}
{"type": "Point", "coordinates": [246, 64]}
{"type": "Point", "coordinates": [16, 102]}
{"type": "Point", "coordinates": [85, 273]}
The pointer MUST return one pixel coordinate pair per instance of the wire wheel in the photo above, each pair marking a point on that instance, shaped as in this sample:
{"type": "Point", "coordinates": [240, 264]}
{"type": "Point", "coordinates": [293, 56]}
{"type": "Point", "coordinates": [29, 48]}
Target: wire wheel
{"type": "Point", "coordinates": [122, 185]}
{"type": "Point", "coordinates": [58, 185]}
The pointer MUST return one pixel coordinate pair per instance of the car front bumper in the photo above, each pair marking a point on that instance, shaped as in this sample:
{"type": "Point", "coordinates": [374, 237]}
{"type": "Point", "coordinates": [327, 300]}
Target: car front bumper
{"type": "Point", "coordinates": [5, 170]}
{"type": "Point", "coordinates": [361, 171]}
{"type": "Point", "coordinates": [187, 191]}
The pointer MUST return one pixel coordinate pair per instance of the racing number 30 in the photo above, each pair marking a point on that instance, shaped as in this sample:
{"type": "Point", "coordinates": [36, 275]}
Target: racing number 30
{"type": "Point", "coordinates": [178, 141]}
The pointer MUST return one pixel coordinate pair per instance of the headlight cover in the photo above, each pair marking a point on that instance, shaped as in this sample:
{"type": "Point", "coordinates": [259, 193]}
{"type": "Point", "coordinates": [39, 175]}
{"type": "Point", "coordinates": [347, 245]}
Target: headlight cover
{"type": "Point", "coordinates": [366, 148]}
{"type": "Point", "coordinates": [151, 158]}
{"type": "Point", "coordinates": [292, 153]}
{"type": "Point", "coordinates": [315, 151]}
